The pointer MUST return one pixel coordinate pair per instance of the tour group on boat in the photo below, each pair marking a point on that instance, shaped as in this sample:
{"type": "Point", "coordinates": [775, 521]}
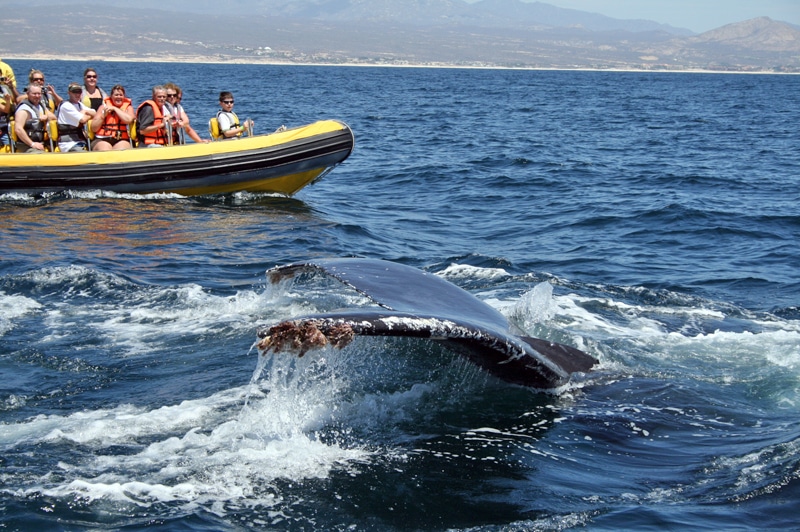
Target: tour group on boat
{"type": "Point", "coordinates": [100, 130]}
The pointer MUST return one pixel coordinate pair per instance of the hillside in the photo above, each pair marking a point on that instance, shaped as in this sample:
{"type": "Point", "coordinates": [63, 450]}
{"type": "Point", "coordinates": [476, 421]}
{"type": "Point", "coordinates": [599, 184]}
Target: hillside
{"type": "Point", "coordinates": [307, 36]}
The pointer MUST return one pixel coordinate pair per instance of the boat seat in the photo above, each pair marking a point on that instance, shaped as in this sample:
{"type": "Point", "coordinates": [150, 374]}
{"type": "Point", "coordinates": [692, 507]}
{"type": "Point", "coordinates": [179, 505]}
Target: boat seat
{"type": "Point", "coordinates": [213, 129]}
{"type": "Point", "coordinates": [51, 136]}
{"type": "Point", "coordinates": [12, 136]}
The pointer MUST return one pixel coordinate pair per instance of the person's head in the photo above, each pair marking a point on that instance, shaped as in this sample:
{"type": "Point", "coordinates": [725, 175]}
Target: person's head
{"type": "Point", "coordinates": [173, 93]}
{"type": "Point", "coordinates": [34, 92]}
{"type": "Point", "coordinates": [90, 77]}
{"type": "Point", "coordinates": [75, 91]}
{"type": "Point", "coordinates": [36, 77]}
{"type": "Point", "coordinates": [159, 94]}
{"type": "Point", "coordinates": [117, 94]}
{"type": "Point", "coordinates": [226, 100]}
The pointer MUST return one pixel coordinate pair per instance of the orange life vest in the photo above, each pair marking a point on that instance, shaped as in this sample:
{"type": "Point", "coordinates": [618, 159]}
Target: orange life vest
{"type": "Point", "coordinates": [112, 125]}
{"type": "Point", "coordinates": [153, 137]}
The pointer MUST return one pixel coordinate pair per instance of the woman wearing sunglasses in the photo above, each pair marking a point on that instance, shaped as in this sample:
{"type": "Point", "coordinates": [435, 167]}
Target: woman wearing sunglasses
{"type": "Point", "coordinates": [50, 98]}
{"type": "Point", "coordinates": [180, 120]}
{"type": "Point", "coordinates": [92, 95]}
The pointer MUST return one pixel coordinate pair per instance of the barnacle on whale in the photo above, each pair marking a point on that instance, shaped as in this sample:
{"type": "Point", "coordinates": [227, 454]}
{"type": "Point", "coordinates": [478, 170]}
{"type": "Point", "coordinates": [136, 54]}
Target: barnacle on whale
{"type": "Point", "coordinates": [302, 336]}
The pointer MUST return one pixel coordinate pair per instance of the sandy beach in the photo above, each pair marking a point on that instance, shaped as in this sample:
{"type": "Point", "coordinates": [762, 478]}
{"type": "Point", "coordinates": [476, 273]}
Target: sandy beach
{"type": "Point", "coordinates": [216, 59]}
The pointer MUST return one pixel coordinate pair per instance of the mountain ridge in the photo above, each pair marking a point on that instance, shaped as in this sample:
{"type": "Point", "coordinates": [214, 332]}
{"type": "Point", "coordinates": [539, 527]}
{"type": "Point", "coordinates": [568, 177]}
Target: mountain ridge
{"type": "Point", "coordinates": [83, 31]}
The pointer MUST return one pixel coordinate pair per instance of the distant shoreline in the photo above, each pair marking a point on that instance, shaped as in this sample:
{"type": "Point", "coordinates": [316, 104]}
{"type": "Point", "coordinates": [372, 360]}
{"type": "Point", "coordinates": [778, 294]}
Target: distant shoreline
{"type": "Point", "coordinates": [240, 61]}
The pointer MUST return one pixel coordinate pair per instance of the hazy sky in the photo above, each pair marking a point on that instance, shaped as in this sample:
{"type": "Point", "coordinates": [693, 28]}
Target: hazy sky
{"type": "Point", "coordinates": [696, 15]}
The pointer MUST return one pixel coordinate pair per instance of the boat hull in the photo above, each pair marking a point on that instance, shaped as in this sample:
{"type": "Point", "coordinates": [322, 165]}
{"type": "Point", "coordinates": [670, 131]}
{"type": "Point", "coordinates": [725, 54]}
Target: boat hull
{"type": "Point", "coordinates": [280, 163]}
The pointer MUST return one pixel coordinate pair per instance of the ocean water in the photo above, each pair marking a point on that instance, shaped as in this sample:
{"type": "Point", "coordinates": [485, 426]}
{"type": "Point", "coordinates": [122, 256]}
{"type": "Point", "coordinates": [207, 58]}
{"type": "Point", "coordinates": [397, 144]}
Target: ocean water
{"type": "Point", "coordinates": [651, 219]}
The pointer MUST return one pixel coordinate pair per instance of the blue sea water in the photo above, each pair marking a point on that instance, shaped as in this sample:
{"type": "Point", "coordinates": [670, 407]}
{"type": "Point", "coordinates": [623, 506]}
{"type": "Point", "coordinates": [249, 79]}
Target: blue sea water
{"type": "Point", "coordinates": [651, 219]}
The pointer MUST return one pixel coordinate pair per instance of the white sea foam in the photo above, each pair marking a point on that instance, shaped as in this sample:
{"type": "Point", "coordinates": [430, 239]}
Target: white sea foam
{"type": "Point", "coordinates": [212, 452]}
{"type": "Point", "coordinates": [13, 307]}
{"type": "Point", "coordinates": [94, 194]}
{"type": "Point", "coordinates": [534, 306]}
{"type": "Point", "coordinates": [137, 318]}
{"type": "Point", "coordinates": [466, 271]}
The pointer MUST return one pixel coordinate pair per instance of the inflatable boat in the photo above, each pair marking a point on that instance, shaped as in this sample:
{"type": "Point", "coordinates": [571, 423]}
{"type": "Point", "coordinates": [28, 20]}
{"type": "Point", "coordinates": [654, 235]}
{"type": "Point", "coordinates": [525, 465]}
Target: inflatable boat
{"type": "Point", "coordinates": [281, 162]}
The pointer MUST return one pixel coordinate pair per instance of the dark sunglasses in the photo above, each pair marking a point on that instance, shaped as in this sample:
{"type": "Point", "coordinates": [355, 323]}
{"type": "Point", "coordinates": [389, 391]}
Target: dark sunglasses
{"type": "Point", "coordinates": [171, 95]}
{"type": "Point", "coordinates": [76, 91]}
{"type": "Point", "coordinates": [89, 76]}
{"type": "Point", "coordinates": [37, 79]}
{"type": "Point", "coordinates": [227, 101]}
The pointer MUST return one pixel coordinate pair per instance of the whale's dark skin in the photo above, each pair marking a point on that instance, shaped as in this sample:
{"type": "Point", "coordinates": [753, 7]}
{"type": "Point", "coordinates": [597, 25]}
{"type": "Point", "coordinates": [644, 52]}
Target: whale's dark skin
{"type": "Point", "coordinates": [421, 305]}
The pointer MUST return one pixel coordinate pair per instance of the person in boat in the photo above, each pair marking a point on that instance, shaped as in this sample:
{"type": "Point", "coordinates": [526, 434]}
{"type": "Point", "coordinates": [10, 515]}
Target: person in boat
{"type": "Point", "coordinates": [110, 123]}
{"type": "Point", "coordinates": [7, 72]}
{"type": "Point", "coordinates": [180, 120]}
{"type": "Point", "coordinates": [30, 120]}
{"type": "Point", "coordinates": [229, 125]}
{"type": "Point", "coordinates": [8, 82]}
{"type": "Point", "coordinates": [8, 97]}
{"type": "Point", "coordinates": [152, 128]}
{"type": "Point", "coordinates": [50, 97]}
{"type": "Point", "coordinates": [92, 96]}
{"type": "Point", "coordinates": [72, 116]}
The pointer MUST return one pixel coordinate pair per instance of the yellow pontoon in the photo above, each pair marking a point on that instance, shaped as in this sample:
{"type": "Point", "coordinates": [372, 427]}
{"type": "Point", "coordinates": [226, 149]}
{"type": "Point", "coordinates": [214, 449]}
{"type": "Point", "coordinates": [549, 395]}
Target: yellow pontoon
{"type": "Point", "coordinates": [281, 162]}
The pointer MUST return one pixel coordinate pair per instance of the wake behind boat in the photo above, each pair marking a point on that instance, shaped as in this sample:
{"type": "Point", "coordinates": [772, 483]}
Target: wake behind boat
{"type": "Point", "coordinates": [281, 162]}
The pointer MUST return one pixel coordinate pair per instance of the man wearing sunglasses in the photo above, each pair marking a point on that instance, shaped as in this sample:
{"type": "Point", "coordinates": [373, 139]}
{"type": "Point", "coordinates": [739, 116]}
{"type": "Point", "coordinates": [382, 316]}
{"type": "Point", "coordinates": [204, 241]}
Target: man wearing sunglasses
{"type": "Point", "coordinates": [71, 116]}
{"type": "Point", "coordinates": [229, 126]}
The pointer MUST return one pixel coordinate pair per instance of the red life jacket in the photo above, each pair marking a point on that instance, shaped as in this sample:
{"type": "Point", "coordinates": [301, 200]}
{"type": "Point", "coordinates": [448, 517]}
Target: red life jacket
{"type": "Point", "coordinates": [112, 125]}
{"type": "Point", "coordinates": [153, 137]}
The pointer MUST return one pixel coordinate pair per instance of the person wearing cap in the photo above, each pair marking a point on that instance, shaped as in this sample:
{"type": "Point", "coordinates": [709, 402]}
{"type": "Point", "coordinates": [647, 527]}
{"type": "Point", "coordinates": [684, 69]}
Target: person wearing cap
{"type": "Point", "coordinates": [72, 115]}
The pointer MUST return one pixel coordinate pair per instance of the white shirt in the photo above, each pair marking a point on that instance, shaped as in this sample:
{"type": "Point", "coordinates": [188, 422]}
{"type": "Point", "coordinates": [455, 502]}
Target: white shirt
{"type": "Point", "coordinates": [70, 114]}
{"type": "Point", "coordinates": [226, 120]}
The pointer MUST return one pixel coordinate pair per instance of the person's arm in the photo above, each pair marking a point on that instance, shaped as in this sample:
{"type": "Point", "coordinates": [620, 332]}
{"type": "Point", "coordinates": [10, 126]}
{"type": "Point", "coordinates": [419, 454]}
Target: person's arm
{"type": "Point", "coordinates": [98, 119]}
{"type": "Point", "coordinates": [10, 91]}
{"type": "Point", "coordinates": [87, 114]}
{"type": "Point", "coordinates": [147, 120]}
{"type": "Point", "coordinates": [194, 136]}
{"type": "Point", "coordinates": [56, 98]}
{"type": "Point", "coordinates": [125, 115]}
{"type": "Point", "coordinates": [236, 131]}
{"type": "Point", "coordinates": [20, 117]}
{"type": "Point", "coordinates": [225, 123]}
